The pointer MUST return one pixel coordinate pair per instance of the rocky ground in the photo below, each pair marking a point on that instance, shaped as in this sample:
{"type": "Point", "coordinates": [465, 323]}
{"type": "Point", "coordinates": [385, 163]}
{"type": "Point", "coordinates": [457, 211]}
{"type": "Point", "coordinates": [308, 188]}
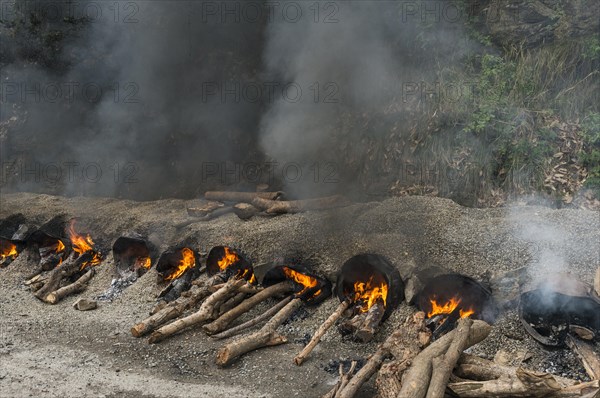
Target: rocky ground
{"type": "Point", "coordinates": [56, 351]}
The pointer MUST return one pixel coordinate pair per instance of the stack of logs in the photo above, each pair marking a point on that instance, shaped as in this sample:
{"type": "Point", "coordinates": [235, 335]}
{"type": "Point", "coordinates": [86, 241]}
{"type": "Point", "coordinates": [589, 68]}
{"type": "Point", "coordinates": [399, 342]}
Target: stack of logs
{"type": "Point", "coordinates": [418, 368]}
{"type": "Point", "coordinates": [220, 303]}
{"type": "Point", "coordinates": [249, 204]}
{"type": "Point", "coordinates": [46, 285]}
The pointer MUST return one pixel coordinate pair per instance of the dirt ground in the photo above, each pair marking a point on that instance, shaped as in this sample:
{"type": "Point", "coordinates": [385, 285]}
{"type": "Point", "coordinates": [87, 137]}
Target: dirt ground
{"type": "Point", "coordinates": [56, 351]}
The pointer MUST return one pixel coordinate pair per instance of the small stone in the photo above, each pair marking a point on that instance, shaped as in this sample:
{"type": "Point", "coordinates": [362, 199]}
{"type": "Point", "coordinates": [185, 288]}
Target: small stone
{"type": "Point", "coordinates": [84, 304]}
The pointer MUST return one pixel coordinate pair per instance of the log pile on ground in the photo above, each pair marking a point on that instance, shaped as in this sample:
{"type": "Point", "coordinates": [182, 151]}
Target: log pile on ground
{"type": "Point", "coordinates": [70, 277]}
{"type": "Point", "coordinates": [249, 204]}
{"type": "Point", "coordinates": [409, 366]}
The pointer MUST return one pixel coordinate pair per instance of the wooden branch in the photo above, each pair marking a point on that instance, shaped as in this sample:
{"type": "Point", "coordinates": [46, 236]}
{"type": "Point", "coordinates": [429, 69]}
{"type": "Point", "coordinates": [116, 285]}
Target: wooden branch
{"type": "Point", "coordinates": [393, 345]}
{"type": "Point", "coordinates": [364, 374]}
{"type": "Point", "coordinates": [229, 304]}
{"type": "Point", "coordinates": [490, 379]}
{"type": "Point", "coordinates": [363, 326]}
{"type": "Point", "coordinates": [68, 268]}
{"type": "Point", "coordinates": [343, 381]}
{"type": "Point", "coordinates": [246, 197]}
{"type": "Point", "coordinates": [264, 337]}
{"type": "Point", "coordinates": [476, 368]}
{"type": "Point", "coordinates": [321, 331]}
{"type": "Point", "coordinates": [416, 379]}
{"type": "Point", "coordinates": [225, 320]}
{"type": "Point", "coordinates": [175, 308]}
{"type": "Point", "coordinates": [523, 384]}
{"type": "Point", "coordinates": [442, 365]}
{"type": "Point", "coordinates": [202, 315]}
{"type": "Point", "coordinates": [412, 336]}
{"type": "Point", "coordinates": [297, 206]}
{"type": "Point", "coordinates": [254, 321]}
{"type": "Point", "coordinates": [74, 287]}
{"type": "Point", "coordinates": [585, 352]}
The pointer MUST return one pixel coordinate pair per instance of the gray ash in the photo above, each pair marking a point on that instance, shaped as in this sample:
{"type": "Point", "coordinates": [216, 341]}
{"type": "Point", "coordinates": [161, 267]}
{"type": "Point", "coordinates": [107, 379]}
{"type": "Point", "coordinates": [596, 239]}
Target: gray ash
{"type": "Point", "coordinates": [563, 362]}
{"type": "Point", "coordinates": [117, 286]}
{"type": "Point", "coordinates": [298, 315]}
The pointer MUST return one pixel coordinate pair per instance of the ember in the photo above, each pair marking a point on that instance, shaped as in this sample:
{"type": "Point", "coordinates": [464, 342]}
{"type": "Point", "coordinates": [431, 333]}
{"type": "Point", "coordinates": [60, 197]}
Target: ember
{"type": "Point", "coordinates": [83, 244]}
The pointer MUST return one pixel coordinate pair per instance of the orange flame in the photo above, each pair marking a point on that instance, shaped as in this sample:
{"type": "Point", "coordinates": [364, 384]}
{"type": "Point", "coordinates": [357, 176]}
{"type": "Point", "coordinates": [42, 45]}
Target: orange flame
{"type": "Point", "coordinates": [82, 244]}
{"type": "Point", "coordinates": [368, 293]}
{"type": "Point", "coordinates": [8, 250]}
{"type": "Point", "coordinates": [229, 258]}
{"type": "Point", "coordinates": [448, 307]}
{"type": "Point", "coordinates": [188, 260]}
{"type": "Point", "coordinates": [308, 282]}
{"type": "Point", "coordinates": [143, 262]}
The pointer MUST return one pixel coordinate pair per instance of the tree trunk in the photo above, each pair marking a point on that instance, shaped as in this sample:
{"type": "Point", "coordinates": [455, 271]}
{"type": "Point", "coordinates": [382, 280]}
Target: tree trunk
{"type": "Point", "coordinates": [264, 337]}
{"type": "Point", "coordinates": [416, 379]}
{"type": "Point", "coordinates": [297, 206]}
{"type": "Point", "coordinates": [321, 331]}
{"type": "Point", "coordinates": [225, 320]}
{"type": "Point", "coordinates": [202, 315]}
{"type": "Point", "coordinates": [74, 287]}
{"type": "Point", "coordinates": [175, 308]}
{"type": "Point", "coordinates": [442, 365]}
{"type": "Point", "coordinates": [254, 321]}
{"type": "Point", "coordinates": [246, 197]}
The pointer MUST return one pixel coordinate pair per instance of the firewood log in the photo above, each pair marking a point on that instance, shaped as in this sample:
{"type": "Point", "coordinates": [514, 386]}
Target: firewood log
{"type": "Point", "coordinates": [395, 345]}
{"type": "Point", "coordinates": [175, 308]}
{"type": "Point", "coordinates": [254, 321]}
{"type": "Point", "coordinates": [442, 365]}
{"type": "Point", "coordinates": [265, 337]}
{"type": "Point", "coordinates": [585, 352]}
{"type": "Point", "coordinates": [524, 383]}
{"type": "Point", "coordinates": [230, 304]}
{"type": "Point", "coordinates": [225, 320]}
{"type": "Point", "coordinates": [363, 326]}
{"type": "Point", "coordinates": [415, 381]}
{"type": "Point", "coordinates": [297, 206]}
{"type": "Point", "coordinates": [476, 368]}
{"type": "Point", "coordinates": [74, 287]}
{"type": "Point", "coordinates": [68, 268]}
{"type": "Point", "coordinates": [321, 331]}
{"type": "Point", "coordinates": [246, 197]}
{"type": "Point", "coordinates": [202, 315]}
{"type": "Point", "coordinates": [343, 382]}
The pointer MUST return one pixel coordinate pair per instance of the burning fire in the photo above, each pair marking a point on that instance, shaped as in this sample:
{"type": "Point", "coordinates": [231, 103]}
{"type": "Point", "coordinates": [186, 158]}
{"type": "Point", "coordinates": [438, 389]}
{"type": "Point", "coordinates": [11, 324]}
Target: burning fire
{"type": "Point", "coordinates": [308, 282]}
{"type": "Point", "coordinates": [368, 293]}
{"type": "Point", "coordinates": [82, 244]}
{"type": "Point", "coordinates": [8, 250]}
{"type": "Point", "coordinates": [448, 308]}
{"type": "Point", "coordinates": [142, 262]}
{"type": "Point", "coordinates": [188, 260]}
{"type": "Point", "coordinates": [230, 257]}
